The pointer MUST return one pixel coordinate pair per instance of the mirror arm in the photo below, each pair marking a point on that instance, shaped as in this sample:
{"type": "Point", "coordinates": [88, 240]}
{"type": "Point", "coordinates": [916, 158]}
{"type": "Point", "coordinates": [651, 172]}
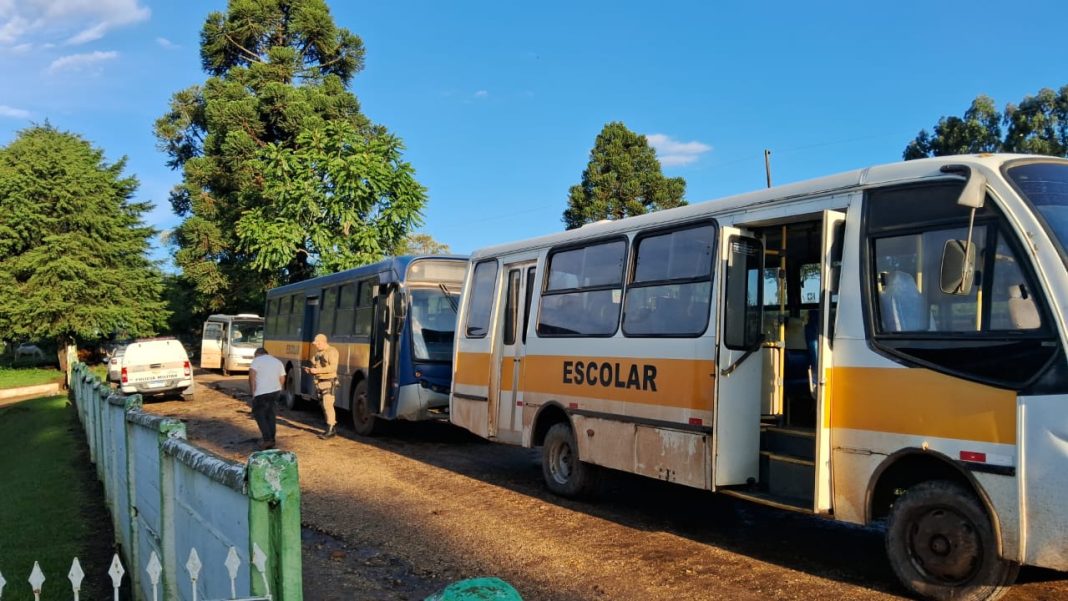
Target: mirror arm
{"type": "Point", "coordinates": [967, 254]}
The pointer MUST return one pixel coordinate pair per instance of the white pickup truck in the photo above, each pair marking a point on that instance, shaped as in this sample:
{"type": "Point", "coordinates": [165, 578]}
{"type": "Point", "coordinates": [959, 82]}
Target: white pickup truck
{"type": "Point", "coordinates": [156, 366]}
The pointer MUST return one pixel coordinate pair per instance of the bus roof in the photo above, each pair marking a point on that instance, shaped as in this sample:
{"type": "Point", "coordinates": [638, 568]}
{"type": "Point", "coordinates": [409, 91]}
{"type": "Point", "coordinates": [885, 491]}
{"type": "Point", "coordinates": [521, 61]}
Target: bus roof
{"type": "Point", "coordinates": [849, 181]}
{"type": "Point", "coordinates": [389, 270]}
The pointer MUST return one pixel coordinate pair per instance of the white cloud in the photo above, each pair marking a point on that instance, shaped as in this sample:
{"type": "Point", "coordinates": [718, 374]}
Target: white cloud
{"type": "Point", "coordinates": [72, 21]}
{"type": "Point", "coordinates": [80, 62]}
{"type": "Point", "coordinates": [165, 43]}
{"type": "Point", "coordinates": [14, 113]}
{"type": "Point", "coordinates": [482, 94]}
{"type": "Point", "coordinates": [672, 153]}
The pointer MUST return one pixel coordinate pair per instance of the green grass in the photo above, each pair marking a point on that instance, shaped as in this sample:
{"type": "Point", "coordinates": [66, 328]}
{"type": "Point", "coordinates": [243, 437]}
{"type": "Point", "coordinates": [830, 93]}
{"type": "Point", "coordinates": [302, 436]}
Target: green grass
{"type": "Point", "coordinates": [51, 507]}
{"type": "Point", "coordinates": [28, 376]}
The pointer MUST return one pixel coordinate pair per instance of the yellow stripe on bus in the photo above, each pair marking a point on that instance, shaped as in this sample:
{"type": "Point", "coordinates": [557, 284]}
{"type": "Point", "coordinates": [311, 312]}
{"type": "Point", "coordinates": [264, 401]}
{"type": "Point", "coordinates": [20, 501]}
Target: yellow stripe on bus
{"type": "Point", "coordinates": [356, 355]}
{"type": "Point", "coordinates": [680, 383]}
{"type": "Point", "coordinates": [921, 402]}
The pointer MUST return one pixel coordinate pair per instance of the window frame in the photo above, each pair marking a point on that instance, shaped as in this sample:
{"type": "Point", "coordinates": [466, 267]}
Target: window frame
{"type": "Point", "coordinates": [547, 275]}
{"type": "Point", "coordinates": [753, 345]}
{"type": "Point", "coordinates": [631, 271]}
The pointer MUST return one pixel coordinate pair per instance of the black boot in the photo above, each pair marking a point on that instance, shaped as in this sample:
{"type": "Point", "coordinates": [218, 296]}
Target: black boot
{"type": "Point", "coordinates": [329, 433]}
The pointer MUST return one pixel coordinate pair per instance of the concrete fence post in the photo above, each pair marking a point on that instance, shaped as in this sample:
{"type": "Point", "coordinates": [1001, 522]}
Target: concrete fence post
{"type": "Point", "coordinates": [274, 522]}
{"type": "Point", "coordinates": [168, 428]}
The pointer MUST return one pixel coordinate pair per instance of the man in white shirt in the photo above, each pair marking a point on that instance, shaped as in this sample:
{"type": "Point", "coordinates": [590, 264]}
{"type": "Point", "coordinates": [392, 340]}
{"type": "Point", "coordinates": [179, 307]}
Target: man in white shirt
{"type": "Point", "coordinates": [266, 378]}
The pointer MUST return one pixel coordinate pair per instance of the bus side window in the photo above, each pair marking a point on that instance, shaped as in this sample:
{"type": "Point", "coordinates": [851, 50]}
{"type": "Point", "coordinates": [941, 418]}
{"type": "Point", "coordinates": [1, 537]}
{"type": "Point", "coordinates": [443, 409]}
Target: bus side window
{"type": "Point", "coordinates": [584, 294]}
{"type": "Point", "coordinates": [670, 291]}
{"type": "Point", "coordinates": [365, 312]}
{"type": "Point", "coordinates": [271, 320]}
{"type": "Point", "coordinates": [744, 303]}
{"type": "Point", "coordinates": [995, 334]}
{"type": "Point", "coordinates": [346, 310]}
{"type": "Point", "coordinates": [483, 282]}
{"type": "Point", "coordinates": [328, 310]}
{"type": "Point", "coordinates": [285, 306]}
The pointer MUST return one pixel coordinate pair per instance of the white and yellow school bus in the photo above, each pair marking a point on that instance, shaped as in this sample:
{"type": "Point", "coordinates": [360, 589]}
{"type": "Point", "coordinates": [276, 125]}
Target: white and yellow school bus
{"type": "Point", "coordinates": [885, 344]}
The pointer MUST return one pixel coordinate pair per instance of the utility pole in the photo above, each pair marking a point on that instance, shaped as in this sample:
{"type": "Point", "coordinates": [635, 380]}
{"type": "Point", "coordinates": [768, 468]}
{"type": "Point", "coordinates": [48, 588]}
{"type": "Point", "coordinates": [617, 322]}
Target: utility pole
{"type": "Point", "coordinates": [767, 165]}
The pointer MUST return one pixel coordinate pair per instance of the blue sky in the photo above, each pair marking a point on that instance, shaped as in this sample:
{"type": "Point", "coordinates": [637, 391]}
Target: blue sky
{"type": "Point", "coordinates": [499, 102]}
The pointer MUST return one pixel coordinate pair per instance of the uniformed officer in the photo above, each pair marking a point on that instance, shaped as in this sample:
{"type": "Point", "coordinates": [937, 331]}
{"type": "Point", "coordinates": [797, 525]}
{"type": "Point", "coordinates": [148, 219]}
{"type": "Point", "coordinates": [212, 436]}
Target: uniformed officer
{"type": "Point", "coordinates": [324, 368]}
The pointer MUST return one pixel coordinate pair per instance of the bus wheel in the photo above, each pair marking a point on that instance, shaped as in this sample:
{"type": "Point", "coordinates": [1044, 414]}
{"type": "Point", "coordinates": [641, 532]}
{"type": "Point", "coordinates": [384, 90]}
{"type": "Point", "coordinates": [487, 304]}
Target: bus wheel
{"type": "Point", "coordinates": [564, 474]}
{"type": "Point", "coordinates": [289, 397]}
{"type": "Point", "coordinates": [941, 545]}
{"type": "Point", "coordinates": [364, 421]}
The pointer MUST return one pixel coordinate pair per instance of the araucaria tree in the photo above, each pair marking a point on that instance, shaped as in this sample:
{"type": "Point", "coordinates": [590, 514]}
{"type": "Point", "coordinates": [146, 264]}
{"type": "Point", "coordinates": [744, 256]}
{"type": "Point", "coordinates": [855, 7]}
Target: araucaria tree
{"type": "Point", "coordinates": [283, 175]}
{"type": "Point", "coordinates": [622, 179]}
{"type": "Point", "coordinates": [1038, 125]}
{"type": "Point", "coordinates": [73, 246]}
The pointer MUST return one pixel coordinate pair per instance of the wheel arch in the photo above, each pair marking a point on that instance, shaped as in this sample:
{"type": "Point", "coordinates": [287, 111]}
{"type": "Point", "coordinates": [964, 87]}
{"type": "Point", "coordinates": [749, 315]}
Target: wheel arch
{"type": "Point", "coordinates": [911, 466]}
{"type": "Point", "coordinates": [548, 415]}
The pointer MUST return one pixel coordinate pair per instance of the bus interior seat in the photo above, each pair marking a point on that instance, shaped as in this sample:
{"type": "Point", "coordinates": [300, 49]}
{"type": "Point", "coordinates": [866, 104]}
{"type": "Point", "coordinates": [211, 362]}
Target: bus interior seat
{"type": "Point", "coordinates": [901, 303]}
{"type": "Point", "coordinates": [1022, 310]}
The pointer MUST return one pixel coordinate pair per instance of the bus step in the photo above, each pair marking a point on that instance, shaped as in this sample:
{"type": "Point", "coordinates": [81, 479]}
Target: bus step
{"type": "Point", "coordinates": [787, 476]}
{"type": "Point", "coordinates": [766, 498]}
{"type": "Point", "coordinates": [794, 442]}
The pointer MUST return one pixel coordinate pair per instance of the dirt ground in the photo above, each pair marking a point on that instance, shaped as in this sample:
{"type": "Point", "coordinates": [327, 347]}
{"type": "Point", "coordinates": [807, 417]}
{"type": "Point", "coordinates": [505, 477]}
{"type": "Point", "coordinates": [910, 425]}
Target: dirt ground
{"type": "Point", "coordinates": [399, 516]}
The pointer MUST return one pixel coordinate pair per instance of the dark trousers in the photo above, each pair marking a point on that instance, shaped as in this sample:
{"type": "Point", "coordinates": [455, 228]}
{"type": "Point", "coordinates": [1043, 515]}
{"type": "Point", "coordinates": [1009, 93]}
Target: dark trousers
{"type": "Point", "coordinates": [263, 411]}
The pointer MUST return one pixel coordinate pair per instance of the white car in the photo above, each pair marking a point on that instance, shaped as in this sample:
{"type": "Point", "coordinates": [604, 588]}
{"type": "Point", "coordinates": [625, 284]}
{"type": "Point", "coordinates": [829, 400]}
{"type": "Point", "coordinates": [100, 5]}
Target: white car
{"type": "Point", "coordinates": [115, 364]}
{"type": "Point", "coordinates": [156, 366]}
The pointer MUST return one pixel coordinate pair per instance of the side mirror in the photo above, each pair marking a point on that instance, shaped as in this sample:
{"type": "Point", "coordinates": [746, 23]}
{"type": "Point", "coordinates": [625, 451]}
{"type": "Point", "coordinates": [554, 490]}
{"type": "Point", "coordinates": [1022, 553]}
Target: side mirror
{"type": "Point", "coordinates": [958, 267]}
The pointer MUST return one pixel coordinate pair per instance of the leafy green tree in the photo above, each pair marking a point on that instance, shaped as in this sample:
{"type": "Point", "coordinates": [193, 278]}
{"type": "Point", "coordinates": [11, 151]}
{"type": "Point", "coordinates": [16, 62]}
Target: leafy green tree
{"type": "Point", "coordinates": [282, 173]}
{"type": "Point", "coordinates": [73, 245]}
{"type": "Point", "coordinates": [1038, 125]}
{"type": "Point", "coordinates": [622, 179]}
{"type": "Point", "coordinates": [422, 244]}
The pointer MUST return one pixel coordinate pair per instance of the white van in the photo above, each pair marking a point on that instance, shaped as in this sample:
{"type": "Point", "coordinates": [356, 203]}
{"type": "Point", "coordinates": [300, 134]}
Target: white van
{"type": "Point", "coordinates": [156, 366]}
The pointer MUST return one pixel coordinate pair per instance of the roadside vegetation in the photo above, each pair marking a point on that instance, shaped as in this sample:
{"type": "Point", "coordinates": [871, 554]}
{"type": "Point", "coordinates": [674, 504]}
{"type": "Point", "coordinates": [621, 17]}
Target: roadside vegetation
{"type": "Point", "coordinates": [51, 506]}
{"type": "Point", "coordinates": [17, 377]}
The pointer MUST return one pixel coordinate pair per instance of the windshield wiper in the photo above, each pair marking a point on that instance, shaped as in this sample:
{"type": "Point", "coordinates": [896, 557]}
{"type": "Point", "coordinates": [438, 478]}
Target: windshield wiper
{"type": "Point", "coordinates": [448, 295]}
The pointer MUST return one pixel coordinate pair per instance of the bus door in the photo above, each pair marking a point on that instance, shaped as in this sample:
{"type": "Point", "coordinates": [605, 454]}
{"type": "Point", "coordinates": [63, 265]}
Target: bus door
{"type": "Point", "coordinates": [506, 407]}
{"type": "Point", "coordinates": [740, 369]}
{"type": "Point", "coordinates": [384, 334]}
{"type": "Point", "coordinates": [830, 273]}
{"type": "Point", "coordinates": [211, 345]}
{"type": "Point", "coordinates": [309, 329]}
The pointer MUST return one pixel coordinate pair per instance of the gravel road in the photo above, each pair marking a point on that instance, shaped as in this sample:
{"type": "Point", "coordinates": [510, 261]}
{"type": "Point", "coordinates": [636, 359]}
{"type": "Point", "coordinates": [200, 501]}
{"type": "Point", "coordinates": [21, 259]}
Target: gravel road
{"type": "Point", "coordinates": [400, 516]}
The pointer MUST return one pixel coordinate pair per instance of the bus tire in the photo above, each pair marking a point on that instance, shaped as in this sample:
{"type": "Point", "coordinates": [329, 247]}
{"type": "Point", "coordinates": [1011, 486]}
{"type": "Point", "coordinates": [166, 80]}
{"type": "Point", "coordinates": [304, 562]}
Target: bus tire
{"type": "Point", "coordinates": [289, 398]}
{"type": "Point", "coordinates": [564, 473]}
{"type": "Point", "coordinates": [364, 421]}
{"type": "Point", "coordinates": [941, 544]}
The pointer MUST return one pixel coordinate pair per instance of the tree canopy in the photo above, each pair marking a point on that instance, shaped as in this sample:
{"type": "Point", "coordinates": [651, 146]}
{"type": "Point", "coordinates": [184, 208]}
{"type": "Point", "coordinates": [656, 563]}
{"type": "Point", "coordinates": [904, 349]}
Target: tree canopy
{"type": "Point", "coordinates": [422, 244]}
{"type": "Point", "coordinates": [73, 245]}
{"type": "Point", "coordinates": [1037, 125]}
{"type": "Point", "coordinates": [283, 175]}
{"type": "Point", "coordinates": [623, 178]}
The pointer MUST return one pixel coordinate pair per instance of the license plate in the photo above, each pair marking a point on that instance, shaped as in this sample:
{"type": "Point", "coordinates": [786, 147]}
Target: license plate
{"type": "Point", "coordinates": [156, 384]}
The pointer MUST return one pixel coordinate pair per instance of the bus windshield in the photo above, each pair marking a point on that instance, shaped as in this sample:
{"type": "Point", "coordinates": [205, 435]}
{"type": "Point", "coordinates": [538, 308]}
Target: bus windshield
{"type": "Point", "coordinates": [433, 316]}
{"type": "Point", "coordinates": [1045, 186]}
{"type": "Point", "coordinates": [246, 333]}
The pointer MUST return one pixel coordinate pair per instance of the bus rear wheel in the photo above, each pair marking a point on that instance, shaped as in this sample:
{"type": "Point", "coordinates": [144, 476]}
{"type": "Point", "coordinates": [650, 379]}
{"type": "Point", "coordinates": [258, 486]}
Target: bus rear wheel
{"type": "Point", "coordinates": [941, 545]}
{"type": "Point", "coordinates": [364, 421]}
{"type": "Point", "coordinates": [564, 473]}
{"type": "Point", "coordinates": [289, 397]}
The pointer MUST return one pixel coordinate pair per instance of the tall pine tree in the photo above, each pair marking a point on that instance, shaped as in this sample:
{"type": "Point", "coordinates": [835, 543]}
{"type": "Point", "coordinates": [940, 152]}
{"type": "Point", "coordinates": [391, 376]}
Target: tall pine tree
{"type": "Point", "coordinates": [73, 245]}
{"type": "Point", "coordinates": [622, 179]}
{"type": "Point", "coordinates": [282, 173]}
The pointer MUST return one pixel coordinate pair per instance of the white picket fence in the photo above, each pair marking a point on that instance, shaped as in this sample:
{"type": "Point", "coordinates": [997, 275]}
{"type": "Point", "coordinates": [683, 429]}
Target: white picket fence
{"type": "Point", "coordinates": [154, 571]}
{"type": "Point", "coordinates": [170, 500]}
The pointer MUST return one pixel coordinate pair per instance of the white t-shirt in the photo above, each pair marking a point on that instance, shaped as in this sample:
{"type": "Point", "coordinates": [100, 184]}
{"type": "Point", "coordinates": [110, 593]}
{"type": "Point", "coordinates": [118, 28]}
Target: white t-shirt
{"type": "Point", "coordinates": [268, 371]}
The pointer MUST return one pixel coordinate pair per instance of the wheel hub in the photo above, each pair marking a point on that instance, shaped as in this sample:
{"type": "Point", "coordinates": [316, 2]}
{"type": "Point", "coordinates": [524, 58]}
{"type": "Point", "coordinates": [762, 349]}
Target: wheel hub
{"type": "Point", "coordinates": [945, 545]}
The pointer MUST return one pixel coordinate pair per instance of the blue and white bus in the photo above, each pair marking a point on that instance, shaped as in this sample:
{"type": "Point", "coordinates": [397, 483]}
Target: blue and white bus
{"type": "Point", "coordinates": [393, 324]}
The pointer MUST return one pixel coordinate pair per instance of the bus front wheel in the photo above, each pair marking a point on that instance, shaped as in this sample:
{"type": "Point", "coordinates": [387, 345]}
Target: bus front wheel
{"type": "Point", "coordinates": [941, 544]}
{"type": "Point", "coordinates": [564, 473]}
{"type": "Point", "coordinates": [364, 421]}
